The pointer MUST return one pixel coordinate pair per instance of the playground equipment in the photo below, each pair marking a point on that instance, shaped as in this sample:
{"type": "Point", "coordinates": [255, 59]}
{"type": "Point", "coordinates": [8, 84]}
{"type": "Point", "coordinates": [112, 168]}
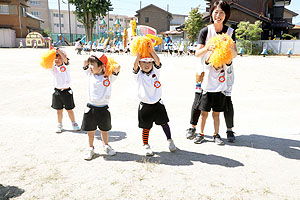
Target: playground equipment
{"type": "Point", "coordinates": [61, 40]}
{"type": "Point", "coordinates": [35, 37]}
{"type": "Point", "coordinates": [289, 53]}
{"type": "Point", "coordinates": [241, 52]}
{"type": "Point", "coordinates": [264, 52]}
{"type": "Point", "coordinates": [133, 27]}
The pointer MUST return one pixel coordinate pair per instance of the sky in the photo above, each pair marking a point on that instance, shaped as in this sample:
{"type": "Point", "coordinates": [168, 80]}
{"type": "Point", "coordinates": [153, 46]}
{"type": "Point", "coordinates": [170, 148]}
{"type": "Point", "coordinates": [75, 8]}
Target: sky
{"type": "Point", "coordinates": [129, 7]}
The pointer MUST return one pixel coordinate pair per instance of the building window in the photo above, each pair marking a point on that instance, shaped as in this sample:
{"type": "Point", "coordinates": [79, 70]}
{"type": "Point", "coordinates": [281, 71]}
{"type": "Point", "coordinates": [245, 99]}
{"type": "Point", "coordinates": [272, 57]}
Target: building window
{"type": "Point", "coordinates": [35, 3]}
{"type": "Point", "coordinates": [4, 9]}
{"type": "Point", "coordinates": [56, 15]}
{"type": "Point", "coordinates": [111, 19]}
{"type": "Point", "coordinates": [80, 26]}
{"type": "Point", "coordinates": [57, 25]}
{"type": "Point", "coordinates": [121, 20]}
{"type": "Point", "coordinates": [146, 19]}
{"type": "Point", "coordinates": [36, 13]}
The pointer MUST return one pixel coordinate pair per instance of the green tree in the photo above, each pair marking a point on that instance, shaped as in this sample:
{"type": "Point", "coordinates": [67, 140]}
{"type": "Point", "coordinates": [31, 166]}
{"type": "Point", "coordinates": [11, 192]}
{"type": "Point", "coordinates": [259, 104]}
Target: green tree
{"type": "Point", "coordinates": [87, 12]}
{"type": "Point", "coordinates": [194, 24]}
{"type": "Point", "coordinates": [246, 32]}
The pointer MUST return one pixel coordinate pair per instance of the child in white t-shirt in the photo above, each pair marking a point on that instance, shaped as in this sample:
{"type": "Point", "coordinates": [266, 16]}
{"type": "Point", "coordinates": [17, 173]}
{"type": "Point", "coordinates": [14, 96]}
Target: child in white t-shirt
{"type": "Point", "coordinates": [62, 97]}
{"type": "Point", "coordinates": [96, 114]}
{"type": "Point", "coordinates": [151, 109]}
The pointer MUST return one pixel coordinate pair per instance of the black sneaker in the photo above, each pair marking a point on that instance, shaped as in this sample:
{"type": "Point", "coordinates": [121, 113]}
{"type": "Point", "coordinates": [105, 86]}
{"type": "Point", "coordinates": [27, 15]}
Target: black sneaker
{"type": "Point", "coordinates": [199, 138]}
{"type": "Point", "coordinates": [190, 133]}
{"type": "Point", "coordinates": [218, 140]}
{"type": "Point", "coordinates": [230, 136]}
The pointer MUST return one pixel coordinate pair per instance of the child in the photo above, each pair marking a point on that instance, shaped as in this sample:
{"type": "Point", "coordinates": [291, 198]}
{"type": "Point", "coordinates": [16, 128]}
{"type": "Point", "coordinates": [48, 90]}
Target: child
{"type": "Point", "coordinates": [151, 108]}
{"type": "Point", "coordinates": [97, 112]}
{"type": "Point", "coordinates": [63, 94]}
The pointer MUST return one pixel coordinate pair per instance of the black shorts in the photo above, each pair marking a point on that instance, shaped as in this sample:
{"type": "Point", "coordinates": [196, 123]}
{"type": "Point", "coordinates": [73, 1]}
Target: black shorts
{"type": "Point", "coordinates": [96, 117]}
{"type": "Point", "coordinates": [63, 99]}
{"type": "Point", "coordinates": [149, 113]}
{"type": "Point", "coordinates": [213, 100]}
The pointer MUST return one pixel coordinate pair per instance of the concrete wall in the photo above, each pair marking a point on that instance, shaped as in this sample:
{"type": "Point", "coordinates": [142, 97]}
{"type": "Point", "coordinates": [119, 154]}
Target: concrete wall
{"type": "Point", "coordinates": [158, 19]}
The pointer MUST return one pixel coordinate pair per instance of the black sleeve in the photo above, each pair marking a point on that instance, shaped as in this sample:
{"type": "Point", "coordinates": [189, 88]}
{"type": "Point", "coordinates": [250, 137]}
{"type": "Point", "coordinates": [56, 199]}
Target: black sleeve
{"type": "Point", "coordinates": [233, 35]}
{"type": "Point", "coordinates": [137, 71]}
{"type": "Point", "coordinates": [157, 66]}
{"type": "Point", "coordinates": [202, 36]}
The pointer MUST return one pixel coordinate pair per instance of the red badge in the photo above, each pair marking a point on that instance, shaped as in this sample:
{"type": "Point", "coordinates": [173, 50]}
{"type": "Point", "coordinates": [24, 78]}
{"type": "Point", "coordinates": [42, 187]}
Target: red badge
{"type": "Point", "coordinates": [157, 84]}
{"type": "Point", "coordinates": [62, 69]}
{"type": "Point", "coordinates": [222, 79]}
{"type": "Point", "coordinates": [106, 83]}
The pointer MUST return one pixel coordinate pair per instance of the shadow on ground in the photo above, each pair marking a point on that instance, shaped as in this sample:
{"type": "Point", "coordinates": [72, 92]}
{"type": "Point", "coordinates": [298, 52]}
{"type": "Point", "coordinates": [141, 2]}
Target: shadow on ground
{"type": "Point", "coordinates": [113, 136]}
{"type": "Point", "coordinates": [7, 192]}
{"type": "Point", "coordinates": [180, 157]}
{"type": "Point", "coordinates": [284, 147]}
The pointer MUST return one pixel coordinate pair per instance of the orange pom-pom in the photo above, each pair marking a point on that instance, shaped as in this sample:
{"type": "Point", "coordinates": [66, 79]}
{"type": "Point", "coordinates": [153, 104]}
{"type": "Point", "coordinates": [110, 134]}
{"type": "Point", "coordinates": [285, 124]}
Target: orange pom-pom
{"type": "Point", "coordinates": [142, 45]}
{"type": "Point", "coordinates": [47, 59]}
{"type": "Point", "coordinates": [111, 65]}
{"type": "Point", "coordinates": [222, 53]}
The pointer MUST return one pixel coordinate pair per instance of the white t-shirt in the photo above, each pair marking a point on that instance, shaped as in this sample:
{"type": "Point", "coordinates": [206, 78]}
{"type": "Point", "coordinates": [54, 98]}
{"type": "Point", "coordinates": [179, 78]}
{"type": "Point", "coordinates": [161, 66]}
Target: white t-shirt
{"type": "Point", "coordinates": [61, 76]}
{"type": "Point", "coordinates": [149, 86]}
{"type": "Point", "coordinates": [214, 80]}
{"type": "Point", "coordinates": [99, 88]}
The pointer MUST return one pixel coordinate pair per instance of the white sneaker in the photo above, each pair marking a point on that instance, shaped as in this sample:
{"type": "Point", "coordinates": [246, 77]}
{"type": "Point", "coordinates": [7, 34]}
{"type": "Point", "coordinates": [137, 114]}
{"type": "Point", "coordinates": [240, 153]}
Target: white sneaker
{"type": "Point", "coordinates": [89, 153]}
{"type": "Point", "coordinates": [109, 151]}
{"type": "Point", "coordinates": [172, 146]}
{"type": "Point", "coordinates": [148, 150]}
{"type": "Point", "coordinates": [59, 128]}
{"type": "Point", "coordinates": [75, 126]}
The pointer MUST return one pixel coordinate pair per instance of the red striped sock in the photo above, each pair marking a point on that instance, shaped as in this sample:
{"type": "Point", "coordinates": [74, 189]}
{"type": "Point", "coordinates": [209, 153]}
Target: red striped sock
{"type": "Point", "coordinates": [145, 135]}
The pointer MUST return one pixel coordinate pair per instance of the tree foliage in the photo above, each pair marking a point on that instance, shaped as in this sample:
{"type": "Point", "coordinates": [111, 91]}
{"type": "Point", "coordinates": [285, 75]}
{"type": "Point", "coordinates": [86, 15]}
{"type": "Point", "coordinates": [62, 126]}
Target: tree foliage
{"type": "Point", "coordinates": [87, 12]}
{"type": "Point", "coordinates": [194, 24]}
{"type": "Point", "coordinates": [247, 31]}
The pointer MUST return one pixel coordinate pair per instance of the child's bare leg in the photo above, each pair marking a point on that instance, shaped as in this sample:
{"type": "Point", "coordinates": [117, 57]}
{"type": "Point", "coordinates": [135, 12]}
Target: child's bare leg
{"type": "Point", "coordinates": [203, 118]}
{"type": "Point", "coordinates": [91, 135]}
{"type": "Point", "coordinates": [60, 116]}
{"type": "Point", "coordinates": [71, 115]}
{"type": "Point", "coordinates": [216, 118]}
{"type": "Point", "coordinates": [104, 136]}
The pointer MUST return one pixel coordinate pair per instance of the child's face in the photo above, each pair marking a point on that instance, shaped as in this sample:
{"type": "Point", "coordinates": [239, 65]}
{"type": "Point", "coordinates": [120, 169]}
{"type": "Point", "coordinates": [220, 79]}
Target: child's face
{"type": "Point", "coordinates": [58, 60]}
{"type": "Point", "coordinates": [95, 69]}
{"type": "Point", "coordinates": [146, 66]}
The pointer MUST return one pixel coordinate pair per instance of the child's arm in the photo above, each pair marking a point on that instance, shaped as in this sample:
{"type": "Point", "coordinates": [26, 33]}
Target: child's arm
{"type": "Point", "coordinates": [156, 58]}
{"type": "Point", "coordinates": [136, 63]}
{"type": "Point", "coordinates": [65, 59]}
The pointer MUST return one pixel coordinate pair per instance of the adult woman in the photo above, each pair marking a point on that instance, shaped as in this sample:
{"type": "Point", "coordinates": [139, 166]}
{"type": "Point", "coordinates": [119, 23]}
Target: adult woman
{"type": "Point", "coordinates": [213, 85]}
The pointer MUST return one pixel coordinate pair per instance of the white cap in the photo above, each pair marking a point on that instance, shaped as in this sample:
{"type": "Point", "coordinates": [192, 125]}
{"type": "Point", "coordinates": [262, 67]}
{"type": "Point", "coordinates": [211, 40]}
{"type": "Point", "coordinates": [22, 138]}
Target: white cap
{"type": "Point", "coordinates": [147, 59]}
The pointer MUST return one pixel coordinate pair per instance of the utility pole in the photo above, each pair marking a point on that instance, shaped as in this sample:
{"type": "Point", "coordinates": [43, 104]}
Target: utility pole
{"type": "Point", "coordinates": [167, 7]}
{"type": "Point", "coordinates": [59, 17]}
{"type": "Point", "coordinates": [71, 40]}
{"type": "Point", "coordinates": [140, 5]}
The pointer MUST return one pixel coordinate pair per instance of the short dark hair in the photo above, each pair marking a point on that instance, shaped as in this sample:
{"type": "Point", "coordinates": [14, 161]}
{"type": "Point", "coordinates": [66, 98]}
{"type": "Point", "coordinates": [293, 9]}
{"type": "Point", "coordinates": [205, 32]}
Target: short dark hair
{"type": "Point", "coordinates": [224, 6]}
{"type": "Point", "coordinates": [94, 59]}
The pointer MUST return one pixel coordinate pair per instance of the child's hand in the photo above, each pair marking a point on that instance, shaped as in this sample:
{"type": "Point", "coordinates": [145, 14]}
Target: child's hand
{"type": "Point", "coordinates": [117, 69]}
{"type": "Point", "coordinates": [211, 47]}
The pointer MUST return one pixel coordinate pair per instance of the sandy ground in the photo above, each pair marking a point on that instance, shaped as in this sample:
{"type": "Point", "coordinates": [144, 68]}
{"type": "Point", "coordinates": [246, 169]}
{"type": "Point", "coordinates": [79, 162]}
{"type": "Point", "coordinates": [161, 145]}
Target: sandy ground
{"type": "Point", "coordinates": [37, 163]}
